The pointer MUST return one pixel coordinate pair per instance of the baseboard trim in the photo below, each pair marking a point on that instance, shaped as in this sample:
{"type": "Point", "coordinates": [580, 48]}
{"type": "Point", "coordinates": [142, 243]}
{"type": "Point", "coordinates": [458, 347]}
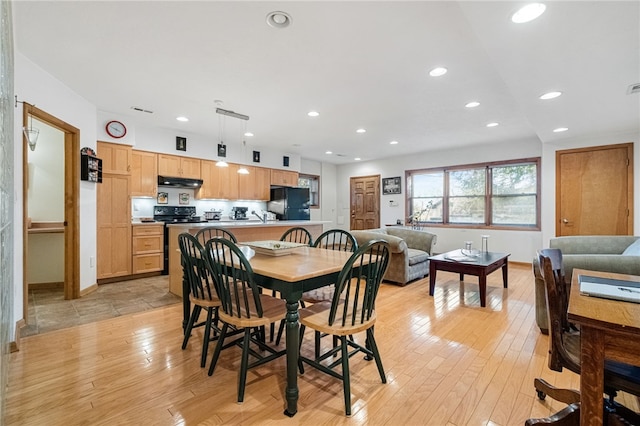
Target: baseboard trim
{"type": "Point", "coordinates": [49, 285]}
{"type": "Point", "coordinates": [15, 345]}
{"type": "Point", "coordinates": [88, 290]}
{"type": "Point", "coordinates": [128, 277]}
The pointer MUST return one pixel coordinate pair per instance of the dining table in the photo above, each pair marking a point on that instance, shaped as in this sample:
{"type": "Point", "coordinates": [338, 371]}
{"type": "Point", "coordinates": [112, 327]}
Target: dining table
{"type": "Point", "coordinates": [609, 329]}
{"type": "Point", "coordinates": [300, 270]}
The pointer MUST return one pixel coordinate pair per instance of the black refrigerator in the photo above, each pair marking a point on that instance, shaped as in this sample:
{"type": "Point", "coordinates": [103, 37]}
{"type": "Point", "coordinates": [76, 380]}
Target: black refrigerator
{"type": "Point", "coordinates": [289, 203]}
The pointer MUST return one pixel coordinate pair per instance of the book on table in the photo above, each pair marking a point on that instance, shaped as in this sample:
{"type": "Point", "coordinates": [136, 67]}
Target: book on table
{"type": "Point", "coordinates": [609, 288]}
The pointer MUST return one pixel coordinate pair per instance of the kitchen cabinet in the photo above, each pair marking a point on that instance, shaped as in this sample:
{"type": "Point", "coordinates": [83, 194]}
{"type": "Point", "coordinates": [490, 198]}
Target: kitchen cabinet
{"type": "Point", "coordinates": [177, 166]}
{"type": "Point", "coordinates": [218, 182]}
{"type": "Point", "coordinates": [284, 177]}
{"type": "Point", "coordinates": [255, 185]}
{"type": "Point", "coordinates": [147, 248]}
{"type": "Point", "coordinates": [144, 174]}
{"type": "Point", "coordinates": [116, 158]}
{"type": "Point", "coordinates": [114, 226]}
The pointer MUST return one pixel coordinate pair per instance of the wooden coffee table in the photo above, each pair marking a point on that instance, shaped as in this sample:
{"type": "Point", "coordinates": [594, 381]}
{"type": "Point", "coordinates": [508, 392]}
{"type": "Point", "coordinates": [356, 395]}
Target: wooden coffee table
{"type": "Point", "coordinates": [480, 266]}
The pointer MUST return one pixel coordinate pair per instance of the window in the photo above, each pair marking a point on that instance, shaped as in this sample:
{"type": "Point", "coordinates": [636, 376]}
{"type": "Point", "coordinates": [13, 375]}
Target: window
{"type": "Point", "coordinates": [313, 183]}
{"type": "Point", "coordinates": [501, 194]}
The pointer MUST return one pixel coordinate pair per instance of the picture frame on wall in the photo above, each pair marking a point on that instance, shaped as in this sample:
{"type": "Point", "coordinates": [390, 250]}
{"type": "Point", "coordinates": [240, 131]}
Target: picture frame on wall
{"type": "Point", "coordinates": [183, 198]}
{"type": "Point", "coordinates": [181, 143]}
{"type": "Point", "coordinates": [163, 198]}
{"type": "Point", "coordinates": [391, 185]}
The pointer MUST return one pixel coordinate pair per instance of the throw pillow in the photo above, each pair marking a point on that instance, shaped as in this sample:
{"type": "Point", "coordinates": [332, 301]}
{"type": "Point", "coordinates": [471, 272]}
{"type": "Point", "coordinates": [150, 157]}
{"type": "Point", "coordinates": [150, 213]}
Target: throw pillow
{"type": "Point", "coordinates": [633, 249]}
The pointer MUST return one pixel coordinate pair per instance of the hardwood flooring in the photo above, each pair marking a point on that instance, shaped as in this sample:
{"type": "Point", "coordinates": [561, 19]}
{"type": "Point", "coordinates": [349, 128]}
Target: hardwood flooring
{"type": "Point", "coordinates": [448, 362]}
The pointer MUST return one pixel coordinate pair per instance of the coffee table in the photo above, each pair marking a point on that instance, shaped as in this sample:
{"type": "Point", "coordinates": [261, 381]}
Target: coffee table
{"type": "Point", "coordinates": [480, 265]}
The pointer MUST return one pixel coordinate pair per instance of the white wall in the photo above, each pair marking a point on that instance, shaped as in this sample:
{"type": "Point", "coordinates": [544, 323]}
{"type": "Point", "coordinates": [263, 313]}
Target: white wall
{"type": "Point", "coordinates": [37, 87]}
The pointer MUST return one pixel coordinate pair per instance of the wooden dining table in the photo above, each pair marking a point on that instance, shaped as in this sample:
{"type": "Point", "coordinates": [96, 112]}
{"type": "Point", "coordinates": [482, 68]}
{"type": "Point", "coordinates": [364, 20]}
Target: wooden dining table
{"type": "Point", "coordinates": [609, 329]}
{"type": "Point", "coordinates": [306, 268]}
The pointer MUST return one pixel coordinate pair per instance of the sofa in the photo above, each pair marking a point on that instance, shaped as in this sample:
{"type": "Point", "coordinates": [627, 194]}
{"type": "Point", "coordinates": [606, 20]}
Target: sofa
{"type": "Point", "coordinates": [410, 250]}
{"type": "Point", "coordinates": [607, 253]}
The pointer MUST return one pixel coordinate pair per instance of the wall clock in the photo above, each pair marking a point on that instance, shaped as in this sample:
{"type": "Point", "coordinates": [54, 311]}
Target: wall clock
{"type": "Point", "coordinates": [116, 129]}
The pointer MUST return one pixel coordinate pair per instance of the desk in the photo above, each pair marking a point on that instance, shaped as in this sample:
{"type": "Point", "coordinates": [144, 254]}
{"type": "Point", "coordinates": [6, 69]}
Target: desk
{"type": "Point", "coordinates": [608, 329]}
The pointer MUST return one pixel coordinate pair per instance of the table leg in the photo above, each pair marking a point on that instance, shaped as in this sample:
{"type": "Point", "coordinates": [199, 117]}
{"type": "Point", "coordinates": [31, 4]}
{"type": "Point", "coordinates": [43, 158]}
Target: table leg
{"type": "Point", "coordinates": [505, 274]}
{"type": "Point", "coordinates": [292, 328]}
{"type": "Point", "coordinates": [592, 375]}
{"type": "Point", "coordinates": [482, 282]}
{"type": "Point", "coordinates": [461, 277]}
{"type": "Point", "coordinates": [432, 277]}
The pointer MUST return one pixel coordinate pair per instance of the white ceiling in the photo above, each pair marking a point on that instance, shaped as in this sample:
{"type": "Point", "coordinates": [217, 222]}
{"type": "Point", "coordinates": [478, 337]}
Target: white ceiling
{"type": "Point", "coordinates": [360, 64]}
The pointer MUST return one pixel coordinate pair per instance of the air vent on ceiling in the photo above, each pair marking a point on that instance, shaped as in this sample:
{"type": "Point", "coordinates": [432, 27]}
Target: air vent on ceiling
{"type": "Point", "coordinates": [141, 110]}
{"type": "Point", "coordinates": [634, 88]}
{"type": "Point", "coordinates": [340, 155]}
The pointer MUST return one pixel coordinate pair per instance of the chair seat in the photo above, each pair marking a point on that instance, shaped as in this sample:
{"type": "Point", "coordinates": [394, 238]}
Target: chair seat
{"type": "Point", "coordinates": [317, 317]}
{"type": "Point", "coordinates": [273, 310]}
{"type": "Point", "coordinates": [214, 302]}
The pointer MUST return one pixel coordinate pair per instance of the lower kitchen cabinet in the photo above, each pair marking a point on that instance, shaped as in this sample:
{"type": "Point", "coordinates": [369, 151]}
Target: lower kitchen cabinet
{"type": "Point", "coordinates": [114, 227]}
{"type": "Point", "coordinates": [147, 248]}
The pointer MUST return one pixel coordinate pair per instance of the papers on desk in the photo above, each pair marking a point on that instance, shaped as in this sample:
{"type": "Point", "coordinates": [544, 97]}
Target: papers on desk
{"type": "Point", "coordinates": [461, 258]}
{"type": "Point", "coordinates": [609, 288]}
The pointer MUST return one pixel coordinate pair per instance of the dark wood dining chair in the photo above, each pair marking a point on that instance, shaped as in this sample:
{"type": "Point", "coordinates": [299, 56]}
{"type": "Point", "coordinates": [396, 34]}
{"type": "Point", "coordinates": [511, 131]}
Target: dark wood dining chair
{"type": "Point", "coordinates": [205, 234]}
{"type": "Point", "coordinates": [564, 341]}
{"type": "Point", "coordinates": [351, 311]}
{"type": "Point", "coordinates": [243, 307]}
{"type": "Point", "coordinates": [297, 234]}
{"type": "Point", "coordinates": [202, 291]}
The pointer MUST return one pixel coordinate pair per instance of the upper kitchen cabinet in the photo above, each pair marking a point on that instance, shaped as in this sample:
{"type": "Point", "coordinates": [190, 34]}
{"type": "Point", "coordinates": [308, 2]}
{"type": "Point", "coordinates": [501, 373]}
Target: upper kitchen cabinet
{"type": "Point", "coordinates": [255, 185]}
{"type": "Point", "coordinates": [176, 166]}
{"type": "Point", "coordinates": [284, 178]}
{"type": "Point", "coordinates": [144, 174]}
{"type": "Point", "coordinates": [218, 182]}
{"type": "Point", "coordinates": [116, 158]}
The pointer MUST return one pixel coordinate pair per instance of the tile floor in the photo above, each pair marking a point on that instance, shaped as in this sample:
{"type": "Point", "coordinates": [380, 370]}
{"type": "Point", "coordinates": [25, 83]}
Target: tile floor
{"type": "Point", "coordinates": [49, 311]}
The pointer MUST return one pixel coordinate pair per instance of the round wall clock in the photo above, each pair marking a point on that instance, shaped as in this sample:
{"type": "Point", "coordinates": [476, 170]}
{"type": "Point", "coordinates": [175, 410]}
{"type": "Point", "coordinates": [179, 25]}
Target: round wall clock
{"type": "Point", "coordinates": [116, 129]}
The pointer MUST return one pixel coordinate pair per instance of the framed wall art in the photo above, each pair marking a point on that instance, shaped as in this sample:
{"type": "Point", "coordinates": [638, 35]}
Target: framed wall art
{"type": "Point", "coordinates": [183, 198]}
{"type": "Point", "coordinates": [391, 185]}
{"type": "Point", "coordinates": [163, 198]}
{"type": "Point", "coordinates": [181, 143]}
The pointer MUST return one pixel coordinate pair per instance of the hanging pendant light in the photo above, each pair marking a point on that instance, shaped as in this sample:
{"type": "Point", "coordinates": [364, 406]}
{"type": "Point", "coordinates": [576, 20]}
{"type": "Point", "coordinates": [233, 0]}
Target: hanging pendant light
{"type": "Point", "coordinates": [243, 170]}
{"type": "Point", "coordinates": [222, 148]}
{"type": "Point", "coordinates": [31, 133]}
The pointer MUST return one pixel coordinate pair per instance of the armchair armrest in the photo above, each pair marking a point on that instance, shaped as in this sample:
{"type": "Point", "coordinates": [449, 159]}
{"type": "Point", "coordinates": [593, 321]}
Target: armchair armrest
{"type": "Point", "coordinates": [396, 244]}
{"type": "Point", "coordinates": [415, 239]}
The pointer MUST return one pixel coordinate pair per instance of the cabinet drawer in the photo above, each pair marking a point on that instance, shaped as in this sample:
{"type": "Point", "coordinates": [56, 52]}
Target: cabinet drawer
{"type": "Point", "coordinates": [147, 263]}
{"type": "Point", "coordinates": [148, 244]}
{"type": "Point", "coordinates": [148, 230]}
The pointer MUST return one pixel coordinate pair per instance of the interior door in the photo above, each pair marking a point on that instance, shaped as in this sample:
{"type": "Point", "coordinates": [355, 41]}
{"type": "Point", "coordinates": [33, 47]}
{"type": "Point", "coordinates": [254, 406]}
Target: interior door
{"type": "Point", "coordinates": [594, 191]}
{"type": "Point", "coordinates": [365, 202]}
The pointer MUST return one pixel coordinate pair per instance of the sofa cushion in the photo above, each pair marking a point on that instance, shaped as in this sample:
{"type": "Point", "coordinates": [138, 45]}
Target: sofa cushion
{"type": "Point", "coordinates": [417, 256]}
{"type": "Point", "coordinates": [633, 249]}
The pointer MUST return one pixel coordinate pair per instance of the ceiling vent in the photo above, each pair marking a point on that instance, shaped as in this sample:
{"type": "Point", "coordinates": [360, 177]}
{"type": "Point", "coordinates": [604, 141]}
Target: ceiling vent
{"type": "Point", "coordinates": [141, 110]}
{"type": "Point", "coordinates": [634, 88]}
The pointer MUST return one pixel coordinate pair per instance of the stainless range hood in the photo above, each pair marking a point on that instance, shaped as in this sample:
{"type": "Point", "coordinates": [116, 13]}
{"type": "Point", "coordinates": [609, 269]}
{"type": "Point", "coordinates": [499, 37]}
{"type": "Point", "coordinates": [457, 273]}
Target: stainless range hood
{"type": "Point", "coordinates": [178, 182]}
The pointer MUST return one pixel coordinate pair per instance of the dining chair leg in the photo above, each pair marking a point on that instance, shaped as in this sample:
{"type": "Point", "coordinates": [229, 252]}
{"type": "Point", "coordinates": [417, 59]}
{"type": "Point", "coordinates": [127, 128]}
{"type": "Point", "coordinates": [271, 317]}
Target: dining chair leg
{"type": "Point", "coordinates": [280, 331]}
{"type": "Point", "coordinates": [192, 320]}
{"type": "Point", "coordinates": [317, 336]}
{"type": "Point", "coordinates": [346, 382]}
{"type": "Point", "coordinates": [216, 353]}
{"type": "Point", "coordinates": [206, 339]}
{"type": "Point", "coordinates": [244, 363]}
{"type": "Point", "coordinates": [374, 348]}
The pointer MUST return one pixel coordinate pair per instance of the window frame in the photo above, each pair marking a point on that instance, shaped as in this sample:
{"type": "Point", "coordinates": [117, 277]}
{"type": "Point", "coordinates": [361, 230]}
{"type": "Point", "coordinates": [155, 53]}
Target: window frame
{"type": "Point", "coordinates": [488, 196]}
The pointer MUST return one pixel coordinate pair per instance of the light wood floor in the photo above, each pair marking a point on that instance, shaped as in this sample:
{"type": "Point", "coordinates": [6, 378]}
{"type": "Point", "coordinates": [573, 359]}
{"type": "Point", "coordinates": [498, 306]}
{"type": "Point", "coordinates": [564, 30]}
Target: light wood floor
{"type": "Point", "coordinates": [448, 362]}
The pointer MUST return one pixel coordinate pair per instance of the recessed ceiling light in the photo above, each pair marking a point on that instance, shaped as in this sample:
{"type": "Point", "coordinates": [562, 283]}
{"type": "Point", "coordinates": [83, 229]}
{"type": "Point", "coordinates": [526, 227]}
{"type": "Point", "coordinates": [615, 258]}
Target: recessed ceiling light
{"type": "Point", "coordinates": [528, 13]}
{"type": "Point", "coordinates": [279, 19]}
{"type": "Point", "coordinates": [361, 131]}
{"type": "Point", "coordinates": [437, 72]}
{"type": "Point", "coordinates": [248, 134]}
{"type": "Point", "coordinates": [357, 158]}
{"type": "Point", "coordinates": [494, 124]}
{"type": "Point", "coordinates": [393, 143]}
{"type": "Point", "coordinates": [329, 152]}
{"type": "Point", "coordinates": [550, 95]}
{"type": "Point", "coordinates": [181, 118]}
{"type": "Point", "coordinates": [560, 129]}
{"type": "Point", "coordinates": [313, 113]}
{"type": "Point", "coordinates": [472, 104]}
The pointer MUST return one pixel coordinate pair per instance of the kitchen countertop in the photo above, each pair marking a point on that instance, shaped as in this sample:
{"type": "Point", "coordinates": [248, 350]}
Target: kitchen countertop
{"type": "Point", "coordinates": [236, 223]}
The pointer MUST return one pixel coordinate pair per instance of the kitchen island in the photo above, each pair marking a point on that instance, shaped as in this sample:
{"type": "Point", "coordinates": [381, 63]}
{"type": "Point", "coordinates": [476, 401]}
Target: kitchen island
{"type": "Point", "coordinates": [243, 230]}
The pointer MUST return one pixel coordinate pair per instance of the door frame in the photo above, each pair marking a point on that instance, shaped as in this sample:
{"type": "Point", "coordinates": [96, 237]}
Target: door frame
{"type": "Point", "coordinates": [71, 203]}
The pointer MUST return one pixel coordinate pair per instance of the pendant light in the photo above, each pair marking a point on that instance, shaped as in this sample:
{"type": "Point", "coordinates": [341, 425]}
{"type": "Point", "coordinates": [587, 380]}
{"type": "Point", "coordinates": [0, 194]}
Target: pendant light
{"type": "Point", "coordinates": [243, 170]}
{"type": "Point", "coordinates": [31, 133]}
{"type": "Point", "coordinates": [222, 148]}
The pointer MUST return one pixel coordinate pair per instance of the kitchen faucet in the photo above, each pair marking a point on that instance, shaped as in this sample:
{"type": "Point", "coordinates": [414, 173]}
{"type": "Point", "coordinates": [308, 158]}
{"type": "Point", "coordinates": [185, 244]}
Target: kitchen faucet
{"type": "Point", "coordinates": [262, 218]}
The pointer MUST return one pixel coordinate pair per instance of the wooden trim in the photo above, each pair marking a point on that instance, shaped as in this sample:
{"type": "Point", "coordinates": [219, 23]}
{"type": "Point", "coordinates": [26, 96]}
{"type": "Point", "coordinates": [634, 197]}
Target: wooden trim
{"type": "Point", "coordinates": [14, 346]}
{"type": "Point", "coordinates": [88, 290]}
{"type": "Point", "coordinates": [128, 277]}
{"type": "Point", "coordinates": [44, 286]}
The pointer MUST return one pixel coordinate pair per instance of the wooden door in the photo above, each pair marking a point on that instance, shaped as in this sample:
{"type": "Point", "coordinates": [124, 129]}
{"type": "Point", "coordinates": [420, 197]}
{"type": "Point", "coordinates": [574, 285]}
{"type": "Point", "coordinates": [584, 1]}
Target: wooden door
{"type": "Point", "coordinates": [114, 227]}
{"type": "Point", "coordinates": [594, 191]}
{"type": "Point", "coordinates": [116, 158]}
{"type": "Point", "coordinates": [365, 202]}
{"type": "Point", "coordinates": [190, 168]}
{"type": "Point", "coordinates": [168, 165]}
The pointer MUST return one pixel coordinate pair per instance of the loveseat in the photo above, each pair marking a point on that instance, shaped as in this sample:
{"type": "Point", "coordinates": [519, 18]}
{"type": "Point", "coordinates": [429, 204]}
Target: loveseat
{"type": "Point", "coordinates": [607, 253]}
{"type": "Point", "coordinates": [410, 251]}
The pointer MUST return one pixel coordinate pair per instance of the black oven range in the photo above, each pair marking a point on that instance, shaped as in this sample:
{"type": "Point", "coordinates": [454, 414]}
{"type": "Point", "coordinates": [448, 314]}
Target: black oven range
{"type": "Point", "coordinates": [174, 214]}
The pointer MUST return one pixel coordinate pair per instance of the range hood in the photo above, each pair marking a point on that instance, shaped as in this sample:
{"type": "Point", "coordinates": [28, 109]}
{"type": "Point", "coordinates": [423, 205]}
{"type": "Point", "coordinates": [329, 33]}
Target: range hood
{"type": "Point", "coordinates": [178, 182]}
